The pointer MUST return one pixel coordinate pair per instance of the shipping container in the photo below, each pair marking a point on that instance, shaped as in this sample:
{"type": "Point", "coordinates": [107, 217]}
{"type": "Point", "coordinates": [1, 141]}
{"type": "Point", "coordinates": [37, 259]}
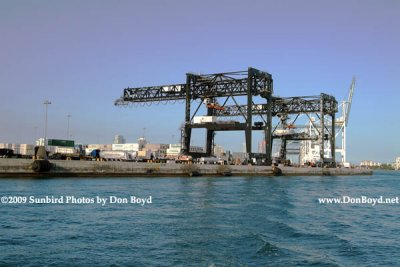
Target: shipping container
{"type": "Point", "coordinates": [173, 151]}
{"type": "Point", "coordinates": [59, 142]}
{"type": "Point", "coordinates": [126, 147]}
{"type": "Point", "coordinates": [99, 146]}
{"type": "Point", "coordinates": [204, 119]}
{"type": "Point", "coordinates": [64, 150]}
{"type": "Point", "coordinates": [115, 155]}
{"type": "Point", "coordinates": [5, 145]}
{"type": "Point", "coordinates": [146, 154]}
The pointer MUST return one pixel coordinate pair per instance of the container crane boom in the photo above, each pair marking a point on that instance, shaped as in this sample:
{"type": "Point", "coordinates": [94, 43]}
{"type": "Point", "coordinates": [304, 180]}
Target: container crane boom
{"type": "Point", "coordinates": [350, 99]}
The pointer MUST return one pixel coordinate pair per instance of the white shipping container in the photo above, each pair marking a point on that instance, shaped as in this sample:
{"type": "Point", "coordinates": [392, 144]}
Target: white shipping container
{"type": "Point", "coordinates": [126, 147]}
{"type": "Point", "coordinates": [28, 146]}
{"type": "Point", "coordinates": [111, 154]}
{"type": "Point", "coordinates": [204, 119]}
{"type": "Point", "coordinates": [64, 150]}
{"type": "Point", "coordinates": [26, 151]}
{"type": "Point", "coordinates": [100, 146]}
{"type": "Point", "coordinates": [173, 151]}
{"type": "Point", "coordinates": [51, 149]}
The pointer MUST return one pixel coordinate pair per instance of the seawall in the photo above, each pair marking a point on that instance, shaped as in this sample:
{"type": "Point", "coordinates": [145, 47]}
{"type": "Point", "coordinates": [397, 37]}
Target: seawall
{"type": "Point", "coordinates": [14, 168]}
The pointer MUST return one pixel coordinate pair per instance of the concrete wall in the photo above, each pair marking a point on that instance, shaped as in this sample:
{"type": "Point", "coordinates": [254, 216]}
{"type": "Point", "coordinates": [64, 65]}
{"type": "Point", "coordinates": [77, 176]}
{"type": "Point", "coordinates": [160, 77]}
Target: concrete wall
{"type": "Point", "coordinates": [22, 167]}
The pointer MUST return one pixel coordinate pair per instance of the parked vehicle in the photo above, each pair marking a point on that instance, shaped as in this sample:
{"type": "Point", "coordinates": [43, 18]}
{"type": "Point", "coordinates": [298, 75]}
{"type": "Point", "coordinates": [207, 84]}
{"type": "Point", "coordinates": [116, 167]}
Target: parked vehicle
{"type": "Point", "coordinates": [6, 153]}
{"type": "Point", "coordinates": [184, 159]}
{"type": "Point", "coordinates": [208, 160]}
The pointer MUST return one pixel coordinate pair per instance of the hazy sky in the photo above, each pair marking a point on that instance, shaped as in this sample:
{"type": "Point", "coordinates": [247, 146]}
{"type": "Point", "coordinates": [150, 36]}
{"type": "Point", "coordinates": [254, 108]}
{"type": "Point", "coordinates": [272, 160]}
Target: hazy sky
{"type": "Point", "coordinates": [81, 54]}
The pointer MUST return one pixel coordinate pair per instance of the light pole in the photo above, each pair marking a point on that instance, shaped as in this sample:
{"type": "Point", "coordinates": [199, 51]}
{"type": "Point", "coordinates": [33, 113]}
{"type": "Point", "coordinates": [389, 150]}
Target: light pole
{"type": "Point", "coordinates": [68, 116]}
{"type": "Point", "coordinates": [46, 103]}
{"type": "Point", "coordinates": [35, 134]}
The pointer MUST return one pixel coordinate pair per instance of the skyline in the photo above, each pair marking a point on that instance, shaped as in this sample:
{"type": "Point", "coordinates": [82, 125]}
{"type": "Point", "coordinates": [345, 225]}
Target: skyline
{"type": "Point", "coordinates": [81, 55]}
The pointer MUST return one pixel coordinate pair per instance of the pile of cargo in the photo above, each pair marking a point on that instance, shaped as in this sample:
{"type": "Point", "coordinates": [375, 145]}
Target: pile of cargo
{"type": "Point", "coordinates": [18, 150]}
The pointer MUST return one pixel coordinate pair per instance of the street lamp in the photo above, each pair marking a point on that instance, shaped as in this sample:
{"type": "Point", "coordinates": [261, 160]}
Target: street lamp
{"type": "Point", "coordinates": [144, 129]}
{"type": "Point", "coordinates": [46, 103]}
{"type": "Point", "coordinates": [35, 133]}
{"type": "Point", "coordinates": [68, 116]}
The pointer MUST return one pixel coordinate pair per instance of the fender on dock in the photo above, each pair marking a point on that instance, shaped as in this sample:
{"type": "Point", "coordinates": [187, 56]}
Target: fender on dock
{"type": "Point", "coordinates": [41, 165]}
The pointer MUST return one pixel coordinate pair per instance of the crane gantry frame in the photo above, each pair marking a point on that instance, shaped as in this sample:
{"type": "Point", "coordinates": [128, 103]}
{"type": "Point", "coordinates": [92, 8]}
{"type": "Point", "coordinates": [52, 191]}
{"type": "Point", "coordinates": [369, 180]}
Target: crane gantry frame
{"type": "Point", "coordinates": [228, 85]}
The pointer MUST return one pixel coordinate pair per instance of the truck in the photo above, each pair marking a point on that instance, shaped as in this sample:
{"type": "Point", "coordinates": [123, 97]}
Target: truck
{"type": "Point", "coordinates": [209, 160]}
{"type": "Point", "coordinates": [6, 153]}
{"type": "Point", "coordinates": [113, 155]}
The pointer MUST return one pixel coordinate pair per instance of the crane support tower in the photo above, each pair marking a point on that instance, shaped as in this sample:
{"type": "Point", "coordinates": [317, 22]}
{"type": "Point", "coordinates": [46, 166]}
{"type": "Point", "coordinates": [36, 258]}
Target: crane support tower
{"type": "Point", "coordinates": [231, 85]}
{"type": "Point", "coordinates": [343, 121]}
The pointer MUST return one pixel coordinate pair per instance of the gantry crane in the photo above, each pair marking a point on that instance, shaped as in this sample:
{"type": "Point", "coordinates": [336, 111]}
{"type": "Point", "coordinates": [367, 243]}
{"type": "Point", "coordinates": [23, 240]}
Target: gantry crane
{"type": "Point", "coordinates": [231, 85]}
{"type": "Point", "coordinates": [342, 122]}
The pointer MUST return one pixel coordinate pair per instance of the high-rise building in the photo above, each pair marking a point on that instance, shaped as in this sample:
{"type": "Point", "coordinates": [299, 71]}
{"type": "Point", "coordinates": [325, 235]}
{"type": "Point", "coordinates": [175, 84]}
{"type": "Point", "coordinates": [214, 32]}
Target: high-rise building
{"type": "Point", "coordinates": [119, 139]}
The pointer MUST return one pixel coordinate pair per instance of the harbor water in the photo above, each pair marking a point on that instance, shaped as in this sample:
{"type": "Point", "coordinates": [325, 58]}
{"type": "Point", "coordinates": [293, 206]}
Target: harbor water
{"type": "Point", "coordinates": [202, 221]}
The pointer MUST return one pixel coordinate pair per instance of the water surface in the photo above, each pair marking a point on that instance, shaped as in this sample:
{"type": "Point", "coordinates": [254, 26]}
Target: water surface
{"type": "Point", "coordinates": [227, 221]}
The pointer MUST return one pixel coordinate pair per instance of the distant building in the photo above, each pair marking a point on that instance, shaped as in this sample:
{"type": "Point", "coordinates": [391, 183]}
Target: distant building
{"type": "Point", "coordinates": [370, 163]}
{"type": "Point", "coordinates": [219, 151]}
{"type": "Point", "coordinates": [119, 139]}
{"type": "Point", "coordinates": [397, 164]}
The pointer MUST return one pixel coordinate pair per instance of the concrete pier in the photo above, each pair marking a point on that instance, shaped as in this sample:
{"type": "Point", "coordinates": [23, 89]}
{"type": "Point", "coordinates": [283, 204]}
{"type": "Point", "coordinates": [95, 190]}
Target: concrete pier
{"type": "Point", "coordinates": [14, 168]}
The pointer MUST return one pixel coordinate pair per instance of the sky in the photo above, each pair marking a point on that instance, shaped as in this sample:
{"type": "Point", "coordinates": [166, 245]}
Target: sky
{"type": "Point", "coordinates": [80, 55]}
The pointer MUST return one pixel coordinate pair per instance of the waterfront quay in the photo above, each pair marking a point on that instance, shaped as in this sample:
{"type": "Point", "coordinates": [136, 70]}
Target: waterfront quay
{"type": "Point", "coordinates": [14, 168]}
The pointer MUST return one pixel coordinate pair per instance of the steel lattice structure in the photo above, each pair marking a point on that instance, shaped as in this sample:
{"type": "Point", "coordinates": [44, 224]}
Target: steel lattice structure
{"type": "Point", "coordinates": [201, 86]}
{"type": "Point", "coordinates": [287, 105]}
{"type": "Point", "coordinates": [247, 84]}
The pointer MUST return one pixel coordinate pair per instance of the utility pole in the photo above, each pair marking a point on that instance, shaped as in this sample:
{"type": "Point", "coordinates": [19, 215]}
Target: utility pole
{"type": "Point", "coordinates": [46, 103]}
{"type": "Point", "coordinates": [35, 134]}
{"type": "Point", "coordinates": [68, 117]}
